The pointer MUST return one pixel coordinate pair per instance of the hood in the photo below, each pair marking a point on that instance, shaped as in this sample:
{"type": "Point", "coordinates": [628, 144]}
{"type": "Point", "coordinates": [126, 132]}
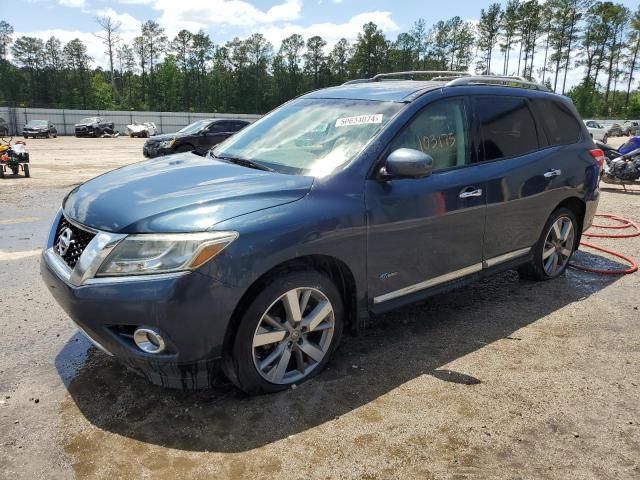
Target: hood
{"type": "Point", "coordinates": [88, 124]}
{"type": "Point", "coordinates": [179, 193]}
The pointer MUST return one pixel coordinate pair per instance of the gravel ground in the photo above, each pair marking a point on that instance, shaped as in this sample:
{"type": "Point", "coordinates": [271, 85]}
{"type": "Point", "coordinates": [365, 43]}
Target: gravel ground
{"type": "Point", "coordinates": [501, 379]}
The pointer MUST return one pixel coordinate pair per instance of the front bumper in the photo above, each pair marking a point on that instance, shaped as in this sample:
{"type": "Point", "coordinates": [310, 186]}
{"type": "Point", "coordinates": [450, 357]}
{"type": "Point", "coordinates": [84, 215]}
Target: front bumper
{"type": "Point", "coordinates": [190, 310]}
{"type": "Point", "coordinates": [84, 131]}
{"type": "Point", "coordinates": [34, 133]}
{"type": "Point", "coordinates": [152, 151]}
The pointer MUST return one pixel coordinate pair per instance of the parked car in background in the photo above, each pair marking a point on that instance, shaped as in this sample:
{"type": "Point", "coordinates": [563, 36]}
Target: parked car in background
{"type": "Point", "coordinates": [199, 136]}
{"type": "Point", "coordinates": [39, 128]}
{"type": "Point", "coordinates": [143, 130]}
{"type": "Point", "coordinates": [343, 203]}
{"type": "Point", "coordinates": [596, 130]}
{"type": "Point", "coordinates": [615, 130]}
{"type": "Point", "coordinates": [4, 127]}
{"type": "Point", "coordinates": [94, 127]}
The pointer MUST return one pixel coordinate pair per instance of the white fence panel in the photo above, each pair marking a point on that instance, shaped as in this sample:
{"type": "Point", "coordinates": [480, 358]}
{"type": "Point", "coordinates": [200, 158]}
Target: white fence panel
{"type": "Point", "coordinates": [64, 119]}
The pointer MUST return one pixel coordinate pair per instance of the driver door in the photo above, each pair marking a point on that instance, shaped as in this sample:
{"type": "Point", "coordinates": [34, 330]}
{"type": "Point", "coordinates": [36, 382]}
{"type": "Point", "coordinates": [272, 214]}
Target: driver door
{"type": "Point", "coordinates": [215, 133]}
{"type": "Point", "coordinates": [425, 232]}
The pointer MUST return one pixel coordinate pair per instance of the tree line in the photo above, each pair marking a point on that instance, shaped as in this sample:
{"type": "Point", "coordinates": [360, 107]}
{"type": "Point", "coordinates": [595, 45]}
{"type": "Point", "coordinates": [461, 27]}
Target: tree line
{"type": "Point", "coordinates": [599, 41]}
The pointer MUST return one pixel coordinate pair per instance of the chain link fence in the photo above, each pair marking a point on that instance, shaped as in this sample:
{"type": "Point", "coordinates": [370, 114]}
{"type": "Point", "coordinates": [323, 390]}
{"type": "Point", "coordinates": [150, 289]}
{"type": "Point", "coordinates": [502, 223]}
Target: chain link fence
{"type": "Point", "coordinates": [64, 119]}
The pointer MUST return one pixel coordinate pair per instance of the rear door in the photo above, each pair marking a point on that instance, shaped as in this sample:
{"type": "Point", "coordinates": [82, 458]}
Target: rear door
{"type": "Point", "coordinates": [428, 231]}
{"type": "Point", "coordinates": [529, 169]}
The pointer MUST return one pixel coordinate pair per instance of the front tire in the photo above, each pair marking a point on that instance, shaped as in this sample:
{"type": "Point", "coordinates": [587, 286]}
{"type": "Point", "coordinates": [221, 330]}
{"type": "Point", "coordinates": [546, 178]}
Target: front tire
{"type": "Point", "coordinates": [287, 334]}
{"type": "Point", "coordinates": [555, 247]}
{"type": "Point", "coordinates": [184, 149]}
{"type": "Point", "coordinates": [25, 169]}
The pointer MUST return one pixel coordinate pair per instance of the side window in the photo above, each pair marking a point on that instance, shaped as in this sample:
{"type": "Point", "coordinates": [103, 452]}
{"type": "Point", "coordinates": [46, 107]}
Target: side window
{"type": "Point", "coordinates": [560, 123]}
{"type": "Point", "coordinates": [217, 127]}
{"type": "Point", "coordinates": [439, 130]}
{"type": "Point", "coordinates": [506, 127]}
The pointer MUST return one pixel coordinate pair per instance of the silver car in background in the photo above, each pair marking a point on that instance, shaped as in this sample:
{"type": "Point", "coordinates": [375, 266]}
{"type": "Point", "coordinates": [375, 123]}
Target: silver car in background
{"type": "Point", "coordinates": [597, 131]}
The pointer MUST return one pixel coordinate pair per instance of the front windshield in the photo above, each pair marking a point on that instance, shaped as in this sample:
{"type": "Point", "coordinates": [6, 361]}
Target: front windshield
{"type": "Point", "coordinates": [89, 120]}
{"type": "Point", "coordinates": [310, 136]}
{"type": "Point", "coordinates": [37, 123]}
{"type": "Point", "coordinates": [195, 127]}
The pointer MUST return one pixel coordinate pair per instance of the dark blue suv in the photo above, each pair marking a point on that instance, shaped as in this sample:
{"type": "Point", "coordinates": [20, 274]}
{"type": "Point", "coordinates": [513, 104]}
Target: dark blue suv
{"type": "Point", "coordinates": [343, 203]}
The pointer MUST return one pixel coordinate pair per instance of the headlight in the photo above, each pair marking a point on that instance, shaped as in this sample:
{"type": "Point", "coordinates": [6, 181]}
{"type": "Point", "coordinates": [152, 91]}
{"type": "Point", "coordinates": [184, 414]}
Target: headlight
{"type": "Point", "coordinates": [168, 143]}
{"type": "Point", "coordinates": [161, 253]}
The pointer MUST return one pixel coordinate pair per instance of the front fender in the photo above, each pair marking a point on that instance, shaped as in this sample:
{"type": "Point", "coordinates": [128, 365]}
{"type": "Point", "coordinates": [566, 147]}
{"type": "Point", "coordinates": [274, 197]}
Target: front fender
{"type": "Point", "coordinates": [322, 223]}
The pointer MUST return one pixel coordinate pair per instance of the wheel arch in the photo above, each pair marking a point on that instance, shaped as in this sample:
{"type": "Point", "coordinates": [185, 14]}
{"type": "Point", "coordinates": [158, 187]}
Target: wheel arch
{"type": "Point", "coordinates": [578, 207]}
{"type": "Point", "coordinates": [185, 144]}
{"type": "Point", "coordinates": [335, 269]}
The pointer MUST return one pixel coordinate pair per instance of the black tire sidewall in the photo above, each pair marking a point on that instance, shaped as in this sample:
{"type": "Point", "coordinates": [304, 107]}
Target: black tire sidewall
{"type": "Point", "coordinates": [538, 264]}
{"type": "Point", "coordinates": [243, 371]}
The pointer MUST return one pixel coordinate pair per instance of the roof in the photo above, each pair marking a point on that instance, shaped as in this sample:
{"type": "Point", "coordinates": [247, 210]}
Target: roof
{"type": "Point", "coordinates": [386, 91]}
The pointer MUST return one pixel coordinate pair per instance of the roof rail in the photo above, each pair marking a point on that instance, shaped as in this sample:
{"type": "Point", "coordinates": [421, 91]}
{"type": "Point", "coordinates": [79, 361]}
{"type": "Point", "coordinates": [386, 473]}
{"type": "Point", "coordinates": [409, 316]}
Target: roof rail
{"type": "Point", "coordinates": [497, 79]}
{"type": "Point", "coordinates": [439, 73]}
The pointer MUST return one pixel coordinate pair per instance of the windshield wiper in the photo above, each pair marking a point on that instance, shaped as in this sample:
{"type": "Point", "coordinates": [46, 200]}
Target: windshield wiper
{"type": "Point", "coordinates": [244, 162]}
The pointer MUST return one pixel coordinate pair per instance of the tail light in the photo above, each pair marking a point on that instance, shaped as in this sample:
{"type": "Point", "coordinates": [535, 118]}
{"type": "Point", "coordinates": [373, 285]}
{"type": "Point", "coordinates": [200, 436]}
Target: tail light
{"type": "Point", "coordinates": [599, 157]}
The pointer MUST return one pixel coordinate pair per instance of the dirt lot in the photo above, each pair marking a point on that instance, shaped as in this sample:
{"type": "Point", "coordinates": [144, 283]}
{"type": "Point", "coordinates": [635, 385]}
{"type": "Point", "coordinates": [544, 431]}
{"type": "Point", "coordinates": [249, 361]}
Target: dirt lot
{"type": "Point", "coordinates": [502, 379]}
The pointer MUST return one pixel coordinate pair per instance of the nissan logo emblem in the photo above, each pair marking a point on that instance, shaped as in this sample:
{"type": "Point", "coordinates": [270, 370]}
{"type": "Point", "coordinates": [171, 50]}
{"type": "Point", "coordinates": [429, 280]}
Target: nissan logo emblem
{"type": "Point", "coordinates": [64, 241]}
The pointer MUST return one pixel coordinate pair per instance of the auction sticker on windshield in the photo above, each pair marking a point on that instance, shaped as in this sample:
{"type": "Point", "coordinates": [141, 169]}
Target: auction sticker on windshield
{"type": "Point", "coordinates": [359, 120]}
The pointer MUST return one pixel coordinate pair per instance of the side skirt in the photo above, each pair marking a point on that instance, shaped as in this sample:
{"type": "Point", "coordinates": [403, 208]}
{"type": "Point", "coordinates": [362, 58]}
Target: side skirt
{"type": "Point", "coordinates": [491, 267]}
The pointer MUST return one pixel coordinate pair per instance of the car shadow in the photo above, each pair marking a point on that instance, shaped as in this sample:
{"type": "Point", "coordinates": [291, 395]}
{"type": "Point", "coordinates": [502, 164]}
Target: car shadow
{"type": "Point", "coordinates": [422, 339]}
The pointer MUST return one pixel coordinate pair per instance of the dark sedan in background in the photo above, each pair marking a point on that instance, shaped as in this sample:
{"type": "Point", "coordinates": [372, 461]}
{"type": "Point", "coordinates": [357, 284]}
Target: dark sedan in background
{"type": "Point", "coordinates": [93, 127]}
{"type": "Point", "coordinates": [39, 128]}
{"type": "Point", "coordinates": [199, 136]}
{"type": "Point", "coordinates": [4, 127]}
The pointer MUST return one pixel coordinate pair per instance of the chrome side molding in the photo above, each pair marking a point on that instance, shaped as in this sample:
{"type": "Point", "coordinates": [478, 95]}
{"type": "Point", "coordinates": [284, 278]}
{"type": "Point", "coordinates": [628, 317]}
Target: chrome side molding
{"type": "Point", "coordinates": [447, 277]}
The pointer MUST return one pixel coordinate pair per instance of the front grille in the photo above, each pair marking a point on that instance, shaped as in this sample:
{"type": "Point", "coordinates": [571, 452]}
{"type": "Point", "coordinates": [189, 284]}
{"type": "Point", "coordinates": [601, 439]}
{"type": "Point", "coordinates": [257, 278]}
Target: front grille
{"type": "Point", "coordinates": [79, 240]}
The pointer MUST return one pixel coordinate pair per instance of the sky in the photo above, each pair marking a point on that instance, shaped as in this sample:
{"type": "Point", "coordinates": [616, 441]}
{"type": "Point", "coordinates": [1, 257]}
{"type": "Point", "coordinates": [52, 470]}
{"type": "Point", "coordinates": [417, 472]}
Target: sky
{"type": "Point", "coordinates": [226, 19]}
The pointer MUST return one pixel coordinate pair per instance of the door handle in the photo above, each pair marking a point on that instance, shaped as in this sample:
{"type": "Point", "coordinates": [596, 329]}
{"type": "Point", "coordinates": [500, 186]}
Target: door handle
{"type": "Point", "coordinates": [552, 173]}
{"type": "Point", "coordinates": [470, 192]}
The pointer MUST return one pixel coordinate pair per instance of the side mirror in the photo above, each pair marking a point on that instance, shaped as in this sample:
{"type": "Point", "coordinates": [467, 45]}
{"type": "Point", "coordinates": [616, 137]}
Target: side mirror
{"type": "Point", "coordinates": [407, 163]}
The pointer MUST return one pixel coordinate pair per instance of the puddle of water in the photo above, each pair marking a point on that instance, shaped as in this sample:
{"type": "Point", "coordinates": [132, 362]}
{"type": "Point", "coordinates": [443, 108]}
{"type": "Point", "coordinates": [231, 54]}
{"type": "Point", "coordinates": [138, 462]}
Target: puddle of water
{"type": "Point", "coordinates": [72, 358]}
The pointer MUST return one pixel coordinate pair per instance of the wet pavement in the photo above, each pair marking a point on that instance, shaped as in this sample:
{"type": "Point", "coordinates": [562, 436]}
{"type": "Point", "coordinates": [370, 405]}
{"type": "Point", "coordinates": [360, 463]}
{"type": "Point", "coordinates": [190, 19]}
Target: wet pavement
{"type": "Point", "coordinates": [501, 379]}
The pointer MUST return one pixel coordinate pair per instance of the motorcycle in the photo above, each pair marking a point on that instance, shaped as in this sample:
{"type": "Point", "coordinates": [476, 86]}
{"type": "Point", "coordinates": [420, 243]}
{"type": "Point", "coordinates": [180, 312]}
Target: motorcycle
{"type": "Point", "coordinates": [14, 157]}
{"type": "Point", "coordinates": [622, 164]}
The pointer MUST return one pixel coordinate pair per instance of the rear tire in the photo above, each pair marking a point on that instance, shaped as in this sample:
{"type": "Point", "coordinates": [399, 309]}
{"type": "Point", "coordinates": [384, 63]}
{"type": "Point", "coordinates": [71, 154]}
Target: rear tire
{"type": "Point", "coordinates": [272, 350]}
{"type": "Point", "coordinates": [555, 247]}
{"type": "Point", "coordinates": [25, 169]}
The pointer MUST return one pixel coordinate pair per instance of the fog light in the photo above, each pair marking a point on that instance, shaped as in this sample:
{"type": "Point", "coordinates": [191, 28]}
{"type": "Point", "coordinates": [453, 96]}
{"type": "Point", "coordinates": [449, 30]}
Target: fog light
{"type": "Point", "coordinates": [149, 341]}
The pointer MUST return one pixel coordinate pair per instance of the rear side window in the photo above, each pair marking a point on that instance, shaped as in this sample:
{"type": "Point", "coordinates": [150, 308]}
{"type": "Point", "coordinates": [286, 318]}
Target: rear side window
{"type": "Point", "coordinates": [560, 124]}
{"type": "Point", "coordinates": [507, 127]}
{"type": "Point", "coordinates": [235, 126]}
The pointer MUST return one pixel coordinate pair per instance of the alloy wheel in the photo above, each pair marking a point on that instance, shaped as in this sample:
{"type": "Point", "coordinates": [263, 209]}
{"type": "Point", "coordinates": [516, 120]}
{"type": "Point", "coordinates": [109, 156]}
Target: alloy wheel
{"type": "Point", "coordinates": [293, 336]}
{"type": "Point", "coordinates": [558, 246]}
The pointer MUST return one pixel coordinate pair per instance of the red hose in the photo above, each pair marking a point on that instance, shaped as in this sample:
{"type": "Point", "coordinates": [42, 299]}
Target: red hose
{"type": "Point", "coordinates": [624, 223]}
